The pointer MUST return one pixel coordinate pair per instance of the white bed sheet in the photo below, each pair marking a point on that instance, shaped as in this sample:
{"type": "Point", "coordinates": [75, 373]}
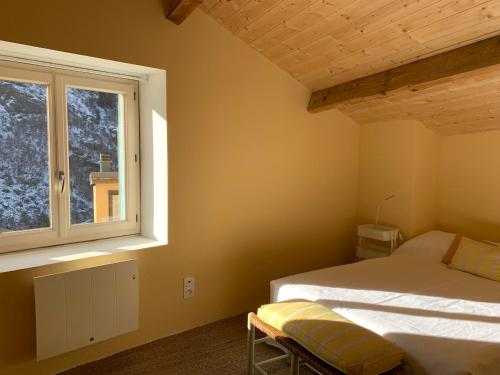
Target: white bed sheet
{"type": "Point", "coordinates": [446, 321]}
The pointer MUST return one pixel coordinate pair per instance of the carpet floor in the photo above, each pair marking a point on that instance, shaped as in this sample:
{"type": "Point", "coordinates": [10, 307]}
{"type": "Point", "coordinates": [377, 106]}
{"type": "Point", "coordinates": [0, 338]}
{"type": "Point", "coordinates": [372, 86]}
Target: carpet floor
{"type": "Point", "coordinates": [218, 348]}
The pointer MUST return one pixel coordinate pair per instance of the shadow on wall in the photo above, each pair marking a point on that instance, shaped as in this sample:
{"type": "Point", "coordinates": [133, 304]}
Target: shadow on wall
{"type": "Point", "coordinates": [18, 309]}
{"type": "Point", "coordinates": [229, 279]}
{"type": "Point", "coordinates": [458, 221]}
{"type": "Point", "coordinates": [269, 255]}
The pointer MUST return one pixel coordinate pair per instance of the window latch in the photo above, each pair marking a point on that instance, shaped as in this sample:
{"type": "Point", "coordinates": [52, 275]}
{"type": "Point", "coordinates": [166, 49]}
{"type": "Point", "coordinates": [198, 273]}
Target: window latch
{"type": "Point", "coordinates": [62, 181]}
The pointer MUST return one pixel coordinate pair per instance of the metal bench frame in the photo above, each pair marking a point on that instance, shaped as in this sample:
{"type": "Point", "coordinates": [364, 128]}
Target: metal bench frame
{"type": "Point", "coordinates": [297, 354]}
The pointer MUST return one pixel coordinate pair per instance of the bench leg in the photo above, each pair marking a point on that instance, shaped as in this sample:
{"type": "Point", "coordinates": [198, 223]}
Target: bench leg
{"type": "Point", "coordinates": [294, 370]}
{"type": "Point", "coordinates": [251, 348]}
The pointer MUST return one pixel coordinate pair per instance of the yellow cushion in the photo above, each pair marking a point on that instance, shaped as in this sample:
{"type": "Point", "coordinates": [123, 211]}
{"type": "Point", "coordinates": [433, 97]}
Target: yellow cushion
{"type": "Point", "coordinates": [478, 258]}
{"type": "Point", "coordinates": [337, 341]}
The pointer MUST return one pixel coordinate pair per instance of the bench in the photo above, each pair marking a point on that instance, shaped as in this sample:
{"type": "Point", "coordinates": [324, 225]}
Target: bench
{"type": "Point", "coordinates": [320, 339]}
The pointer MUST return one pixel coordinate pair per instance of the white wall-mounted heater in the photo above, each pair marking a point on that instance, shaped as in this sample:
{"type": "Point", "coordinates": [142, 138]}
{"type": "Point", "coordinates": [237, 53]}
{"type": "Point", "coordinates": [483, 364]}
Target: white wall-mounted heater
{"type": "Point", "coordinates": [86, 306]}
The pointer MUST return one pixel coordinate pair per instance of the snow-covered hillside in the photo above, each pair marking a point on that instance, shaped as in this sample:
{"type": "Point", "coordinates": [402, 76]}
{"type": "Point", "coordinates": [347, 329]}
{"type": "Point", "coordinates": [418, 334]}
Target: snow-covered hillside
{"type": "Point", "coordinates": [92, 129]}
{"type": "Point", "coordinates": [24, 166]}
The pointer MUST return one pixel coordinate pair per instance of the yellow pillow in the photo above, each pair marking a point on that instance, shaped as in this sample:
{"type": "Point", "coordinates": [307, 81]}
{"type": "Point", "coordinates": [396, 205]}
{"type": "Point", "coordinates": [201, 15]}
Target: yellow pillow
{"type": "Point", "coordinates": [337, 341]}
{"type": "Point", "coordinates": [478, 258]}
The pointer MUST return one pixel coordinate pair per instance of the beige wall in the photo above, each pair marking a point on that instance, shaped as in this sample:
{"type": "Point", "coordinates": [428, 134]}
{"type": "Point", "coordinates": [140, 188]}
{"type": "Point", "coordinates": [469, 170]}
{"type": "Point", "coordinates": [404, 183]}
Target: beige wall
{"type": "Point", "coordinates": [259, 188]}
{"type": "Point", "coordinates": [469, 191]}
{"type": "Point", "coordinates": [401, 158]}
{"type": "Point", "coordinates": [426, 155]}
{"type": "Point", "coordinates": [450, 183]}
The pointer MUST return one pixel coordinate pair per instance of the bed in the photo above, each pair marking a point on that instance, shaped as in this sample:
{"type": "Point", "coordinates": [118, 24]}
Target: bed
{"type": "Point", "coordinates": [446, 321]}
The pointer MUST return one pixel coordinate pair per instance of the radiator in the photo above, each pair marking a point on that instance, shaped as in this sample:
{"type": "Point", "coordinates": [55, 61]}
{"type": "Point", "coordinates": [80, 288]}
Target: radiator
{"type": "Point", "coordinates": [79, 308]}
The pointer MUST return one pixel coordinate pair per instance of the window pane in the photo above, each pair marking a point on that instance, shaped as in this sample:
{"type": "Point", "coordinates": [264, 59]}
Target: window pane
{"type": "Point", "coordinates": [24, 164]}
{"type": "Point", "coordinates": [95, 137]}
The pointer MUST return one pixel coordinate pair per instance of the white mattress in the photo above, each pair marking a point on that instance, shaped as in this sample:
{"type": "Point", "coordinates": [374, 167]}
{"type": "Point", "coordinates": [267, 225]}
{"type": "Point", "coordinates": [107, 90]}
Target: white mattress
{"type": "Point", "coordinates": [446, 321]}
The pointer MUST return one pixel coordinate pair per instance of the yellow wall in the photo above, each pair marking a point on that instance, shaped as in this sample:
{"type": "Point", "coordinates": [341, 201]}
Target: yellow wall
{"type": "Point", "coordinates": [401, 158]}
{"type": "Point", "coordinates": [450, 183]}
{"type": "Point", "coordinates": [426, 156]}
{"type": "Point", "coordinates": [259, 188]}
{"type": "Point", "coordinates": [469, 188]}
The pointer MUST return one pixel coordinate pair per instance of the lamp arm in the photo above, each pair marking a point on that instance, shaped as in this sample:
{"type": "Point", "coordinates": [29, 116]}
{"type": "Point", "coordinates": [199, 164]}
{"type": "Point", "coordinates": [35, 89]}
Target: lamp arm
{"type": "Point", "coordinates": [379, 208]}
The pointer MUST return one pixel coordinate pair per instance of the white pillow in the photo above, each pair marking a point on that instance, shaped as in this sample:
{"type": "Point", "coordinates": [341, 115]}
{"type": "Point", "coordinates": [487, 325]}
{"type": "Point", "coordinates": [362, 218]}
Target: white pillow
{"type": "Point", "coordinates": [433, 245]}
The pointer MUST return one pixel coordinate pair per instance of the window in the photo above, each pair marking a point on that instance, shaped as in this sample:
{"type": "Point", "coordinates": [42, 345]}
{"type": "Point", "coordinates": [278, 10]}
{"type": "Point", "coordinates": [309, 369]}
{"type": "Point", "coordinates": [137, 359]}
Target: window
{"type": "Point", "coordinates": [69, 147]}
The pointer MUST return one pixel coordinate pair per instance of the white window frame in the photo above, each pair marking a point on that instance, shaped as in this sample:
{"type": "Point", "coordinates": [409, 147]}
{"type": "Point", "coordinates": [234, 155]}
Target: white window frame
{"type": "Point", "coordinates": [61, 230]}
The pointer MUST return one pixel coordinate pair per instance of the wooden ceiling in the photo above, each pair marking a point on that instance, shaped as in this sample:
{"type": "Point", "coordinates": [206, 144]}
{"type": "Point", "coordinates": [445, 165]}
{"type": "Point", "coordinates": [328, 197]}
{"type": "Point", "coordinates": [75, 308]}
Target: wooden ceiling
{"type": "Point", "coordinates": [323, 43]}
{"type": "Point", "coordinates": [466, 105]}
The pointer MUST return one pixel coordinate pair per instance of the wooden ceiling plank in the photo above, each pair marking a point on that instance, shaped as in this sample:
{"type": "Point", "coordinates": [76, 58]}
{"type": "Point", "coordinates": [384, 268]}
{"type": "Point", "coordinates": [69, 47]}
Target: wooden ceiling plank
{"type": "Point", "coordinates": [371, 45]}
{"type": "Point", "coordinates": [307, 65]}
{"type": "Point", "coordinates": [465, 59]}
{"type": "Point", "coordinates": [474, 33]}
{"type": "Point", "coordinates": [468, 127]}
{"type": "Point", "coordinates": [424, 15]}
{"type": "Point", "coordinates": [466, 114]}
{"type": "Point", "coordinates": [389, 14]}
{"type": "Point", "coordinates": [249, 13]}
{"type": "Point", "coordinates": [225, 9]}
{"type": "Point", "coordinates": [357, 70]}
{"type": "Point", "coordinates": [276, 16]}
{"type": "Point", "coordinates": [437, 12]}
{"type": "Point", "coordinates": [353, 66]}
{"type": "Point", "coordinates": [304, 20]}
{"type": "Point", "coordinates": [411, 53]}
{"type": "Point", "coordinates": [324, 43]}
{"type": "Point", "coordinates": [332, 23]}
{"type": "Point", "coordinates": [457, 22]}
{"type": "Point", "coordinates": [473, 111]}
{"type": "Point", "coordinates": [376, 56]}
{"type": "Point", "coordinates": [410, 21]}
{"type": "Point", "coordinates": [385, 55]}
{"type": "Point", "coordinates": [304, 39]}
{"type": "Point", "coordinates": [451, 105]}
{"type": "Point", "coordinates": [427, 106]}
{"type": "Point", "coordinates": [346, 26]}
{"type": "Point", "coordinates": [489, 114]}
{"type": "Point", "coordinates": [206, 5]}
{"type": "Point", "coordinates": [373, 52]}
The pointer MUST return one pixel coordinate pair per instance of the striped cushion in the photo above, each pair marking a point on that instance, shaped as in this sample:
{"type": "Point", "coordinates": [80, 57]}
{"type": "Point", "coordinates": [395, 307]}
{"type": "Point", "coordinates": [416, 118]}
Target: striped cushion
{"type": "Point", "coordinates": [478, 258]}
{"type": "Point", "coordinates": [337, 341]}
{"type": "Point", "coordinates": [451, 251]}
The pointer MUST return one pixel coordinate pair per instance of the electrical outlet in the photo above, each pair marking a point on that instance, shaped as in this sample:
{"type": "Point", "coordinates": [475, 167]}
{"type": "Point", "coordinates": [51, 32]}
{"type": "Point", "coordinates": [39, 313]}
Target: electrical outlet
{"type": "Point", "coordinates": [188, 287]}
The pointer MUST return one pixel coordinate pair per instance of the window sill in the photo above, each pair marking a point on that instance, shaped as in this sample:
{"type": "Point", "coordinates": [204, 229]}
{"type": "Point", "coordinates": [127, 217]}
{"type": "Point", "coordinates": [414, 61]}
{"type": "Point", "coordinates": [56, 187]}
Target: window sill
{"type": "Point", "coordinates": [66, 253]}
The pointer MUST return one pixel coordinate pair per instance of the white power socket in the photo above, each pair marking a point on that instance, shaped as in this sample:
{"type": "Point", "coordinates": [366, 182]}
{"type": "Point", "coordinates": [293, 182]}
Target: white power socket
{"type": "Point", "coordinates": [188, 287]}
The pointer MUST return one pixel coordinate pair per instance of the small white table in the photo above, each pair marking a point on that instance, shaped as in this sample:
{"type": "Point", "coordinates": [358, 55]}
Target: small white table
{"type": "Point", "coordinates": [376, 241]}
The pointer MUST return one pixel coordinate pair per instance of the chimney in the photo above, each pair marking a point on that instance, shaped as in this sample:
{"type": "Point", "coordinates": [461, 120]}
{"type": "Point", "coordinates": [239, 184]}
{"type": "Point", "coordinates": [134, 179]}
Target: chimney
{"type": "Point", "coordinates": [105, 162]}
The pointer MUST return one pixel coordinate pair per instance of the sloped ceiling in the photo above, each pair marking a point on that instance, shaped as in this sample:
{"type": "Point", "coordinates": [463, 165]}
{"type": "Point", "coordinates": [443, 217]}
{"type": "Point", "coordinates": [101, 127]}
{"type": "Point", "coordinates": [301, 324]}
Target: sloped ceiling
{"type": "Point", "coordinates": [322, 43]}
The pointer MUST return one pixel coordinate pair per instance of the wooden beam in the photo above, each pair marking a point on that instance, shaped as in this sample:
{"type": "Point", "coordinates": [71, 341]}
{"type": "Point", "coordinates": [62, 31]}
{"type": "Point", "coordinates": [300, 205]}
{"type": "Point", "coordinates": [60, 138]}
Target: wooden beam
{"type": "Point", "coordinates": [178, 10]}
{"type": "Point", "coordinates": [415, 76]}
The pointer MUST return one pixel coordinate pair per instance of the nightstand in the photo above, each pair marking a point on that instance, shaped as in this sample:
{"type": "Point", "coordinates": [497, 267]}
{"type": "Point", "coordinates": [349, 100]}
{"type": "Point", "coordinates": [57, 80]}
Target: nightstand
{"type": "Point", "coordinates": [376, 241]}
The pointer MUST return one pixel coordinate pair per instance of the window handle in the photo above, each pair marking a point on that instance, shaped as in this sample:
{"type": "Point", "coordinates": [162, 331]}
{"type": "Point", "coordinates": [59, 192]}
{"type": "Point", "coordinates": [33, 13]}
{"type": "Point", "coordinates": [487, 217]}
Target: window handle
{"type": "Point", "coordinates": [62, 181]}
